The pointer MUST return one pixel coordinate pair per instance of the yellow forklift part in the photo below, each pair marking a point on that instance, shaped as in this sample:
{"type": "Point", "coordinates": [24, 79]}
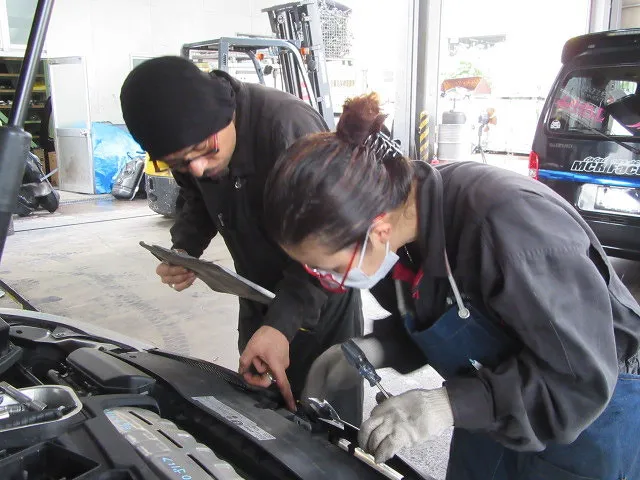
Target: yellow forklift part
{"type": "Point", "coordinates": [162, 189]}
{"type": "Point", "coordinates": [150, 168]}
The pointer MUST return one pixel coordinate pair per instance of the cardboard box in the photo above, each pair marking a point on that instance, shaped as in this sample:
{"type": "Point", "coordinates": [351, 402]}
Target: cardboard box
{"type": "Point", "coordinates": [53, 164]}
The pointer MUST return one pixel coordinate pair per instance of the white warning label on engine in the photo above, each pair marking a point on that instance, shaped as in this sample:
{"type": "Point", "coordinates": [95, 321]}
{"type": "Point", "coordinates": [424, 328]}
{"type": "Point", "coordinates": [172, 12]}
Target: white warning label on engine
{"type": "Point", "coordinates": [227, 413]}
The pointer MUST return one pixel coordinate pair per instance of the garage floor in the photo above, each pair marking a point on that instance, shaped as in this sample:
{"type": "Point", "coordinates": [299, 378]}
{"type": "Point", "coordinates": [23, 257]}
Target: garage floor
{"type": "Point", "coordinates": [84, 262]}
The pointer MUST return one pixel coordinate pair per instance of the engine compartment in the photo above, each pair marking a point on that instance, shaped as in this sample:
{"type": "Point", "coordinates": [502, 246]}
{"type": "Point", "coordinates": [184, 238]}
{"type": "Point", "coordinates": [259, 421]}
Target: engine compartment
{"type": "Point", "coordinates": [144, 413]}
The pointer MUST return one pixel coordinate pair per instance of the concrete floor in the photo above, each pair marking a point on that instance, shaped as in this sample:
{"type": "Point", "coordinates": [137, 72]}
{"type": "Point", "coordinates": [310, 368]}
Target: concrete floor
{"type": "Point", "coordinates": [84, 262]}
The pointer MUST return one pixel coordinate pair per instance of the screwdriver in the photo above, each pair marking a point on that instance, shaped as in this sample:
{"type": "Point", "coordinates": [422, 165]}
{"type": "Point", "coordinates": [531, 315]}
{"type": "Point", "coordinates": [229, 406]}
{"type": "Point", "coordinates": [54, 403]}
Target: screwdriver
{"type": "Point", "coordinates": [356, 357]}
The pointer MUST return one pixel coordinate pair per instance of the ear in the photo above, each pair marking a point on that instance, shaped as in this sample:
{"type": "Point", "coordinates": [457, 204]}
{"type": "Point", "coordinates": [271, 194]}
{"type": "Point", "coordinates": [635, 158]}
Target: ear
{"type": "Point", "coordinates": [381, 231]}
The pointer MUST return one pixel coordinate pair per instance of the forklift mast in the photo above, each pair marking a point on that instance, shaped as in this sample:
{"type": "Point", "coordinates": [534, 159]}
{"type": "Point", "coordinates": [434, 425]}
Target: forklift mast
{"type": "Point", "coordinates": [298, 46]}
{"type": "Point", "coordinates": [300, 22]}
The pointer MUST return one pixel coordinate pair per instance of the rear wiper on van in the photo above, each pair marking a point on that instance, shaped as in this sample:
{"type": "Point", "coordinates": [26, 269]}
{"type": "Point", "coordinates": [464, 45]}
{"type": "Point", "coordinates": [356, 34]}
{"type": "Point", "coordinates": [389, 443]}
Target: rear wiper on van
{"type": "Point", "coordinates": [608, 137]}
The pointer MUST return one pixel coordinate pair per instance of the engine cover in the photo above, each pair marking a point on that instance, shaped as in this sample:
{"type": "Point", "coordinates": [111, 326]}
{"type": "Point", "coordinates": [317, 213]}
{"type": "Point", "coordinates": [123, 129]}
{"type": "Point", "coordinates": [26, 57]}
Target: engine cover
{"type": "Point", "coordinates": [170, 452]}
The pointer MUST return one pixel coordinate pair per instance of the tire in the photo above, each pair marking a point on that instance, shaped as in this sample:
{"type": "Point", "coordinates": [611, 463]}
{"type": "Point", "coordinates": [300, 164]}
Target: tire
{"type": "Point", "coordinates": [50, 202]}
{"type": "Point", "coordinates": [26, 204]}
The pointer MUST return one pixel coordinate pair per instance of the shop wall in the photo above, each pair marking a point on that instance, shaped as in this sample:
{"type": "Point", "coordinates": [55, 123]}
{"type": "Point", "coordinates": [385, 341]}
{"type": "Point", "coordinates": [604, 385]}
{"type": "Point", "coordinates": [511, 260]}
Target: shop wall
{"type": "Point", "coordinates": [630, 15]}
{"type": "Point", "coordinates": [108, 33]}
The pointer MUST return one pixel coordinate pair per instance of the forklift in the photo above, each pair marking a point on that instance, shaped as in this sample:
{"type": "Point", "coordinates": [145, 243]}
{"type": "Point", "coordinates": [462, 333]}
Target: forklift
{"type": "Point", "coordinates": [293, 61]}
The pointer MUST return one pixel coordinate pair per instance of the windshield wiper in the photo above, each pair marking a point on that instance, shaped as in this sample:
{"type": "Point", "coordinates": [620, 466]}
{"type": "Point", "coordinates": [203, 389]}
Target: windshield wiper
{"type": "Point", "coordinates": [608, 137]}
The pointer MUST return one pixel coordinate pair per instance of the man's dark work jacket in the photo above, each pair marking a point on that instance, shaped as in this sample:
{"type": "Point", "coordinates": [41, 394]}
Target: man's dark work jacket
{"type": "Point", "coordinates": [267, 122]}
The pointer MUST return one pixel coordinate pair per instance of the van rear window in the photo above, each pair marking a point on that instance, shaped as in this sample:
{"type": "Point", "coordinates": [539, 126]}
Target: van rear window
{"type": "Point", "coordinates": [605, 100]}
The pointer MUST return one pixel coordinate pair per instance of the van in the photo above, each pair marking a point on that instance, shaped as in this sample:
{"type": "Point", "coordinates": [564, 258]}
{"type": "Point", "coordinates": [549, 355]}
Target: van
{"type": "Point", "coordinates": [587, 142]}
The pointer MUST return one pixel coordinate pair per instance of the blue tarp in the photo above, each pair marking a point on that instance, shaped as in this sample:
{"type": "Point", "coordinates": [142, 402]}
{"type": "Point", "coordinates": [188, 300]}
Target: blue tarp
{"type": "Point", "coordinates": [112, 148]}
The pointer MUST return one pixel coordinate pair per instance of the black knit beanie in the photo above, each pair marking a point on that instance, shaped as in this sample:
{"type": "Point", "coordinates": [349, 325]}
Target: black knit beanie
{"type": "Point", "coordinates": [168, 104]}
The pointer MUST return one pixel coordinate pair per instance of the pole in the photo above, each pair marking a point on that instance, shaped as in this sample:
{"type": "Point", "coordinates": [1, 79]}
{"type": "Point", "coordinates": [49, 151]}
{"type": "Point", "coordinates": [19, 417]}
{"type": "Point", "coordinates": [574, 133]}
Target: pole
{"type": "Point", "coordinates": [427, 66]}
{"type": "Point", "coordinates": [423, 136]}
{"type": "Point", "coordinates": [14, 141]}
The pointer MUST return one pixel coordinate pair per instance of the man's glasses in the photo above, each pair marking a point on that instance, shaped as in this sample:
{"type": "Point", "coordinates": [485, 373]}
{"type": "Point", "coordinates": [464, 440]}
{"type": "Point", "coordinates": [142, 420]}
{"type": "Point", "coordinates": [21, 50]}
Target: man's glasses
{"type": "Point", "coordinates": [182, 164]}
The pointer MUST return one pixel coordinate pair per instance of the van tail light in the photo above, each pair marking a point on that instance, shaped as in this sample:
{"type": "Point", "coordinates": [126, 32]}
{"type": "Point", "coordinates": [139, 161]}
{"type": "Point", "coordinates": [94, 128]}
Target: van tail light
{"type": "Point", "coordinates": [534, 165]}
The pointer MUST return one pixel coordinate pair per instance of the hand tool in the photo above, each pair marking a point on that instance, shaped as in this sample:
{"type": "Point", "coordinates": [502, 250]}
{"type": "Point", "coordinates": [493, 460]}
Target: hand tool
{"type": "Point", "coordinates": [356, 357]}
{"type": "Point", "coordinates": [7, 410]}
{"type": "Point", "coordinates": [24, 419]}
{"type": "Point", "coordinates": [18, 396]}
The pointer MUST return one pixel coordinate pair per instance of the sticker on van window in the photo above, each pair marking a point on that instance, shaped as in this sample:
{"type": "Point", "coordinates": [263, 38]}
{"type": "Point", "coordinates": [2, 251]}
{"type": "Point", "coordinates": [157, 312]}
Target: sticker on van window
{"type": "Point", "coordinates": [580, 108]}
{"type": "Point", "coordinates": [555, 125]}
{"type": "Point", "coordinates": [610, 166]}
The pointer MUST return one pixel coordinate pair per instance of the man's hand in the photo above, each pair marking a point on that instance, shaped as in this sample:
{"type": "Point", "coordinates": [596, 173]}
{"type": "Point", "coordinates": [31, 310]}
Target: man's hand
{"type": "Point", "coordinates": [268, 352]}
{"type": "Point", "coordinates": [404, 421]}
{"type": "Point", "coordinates": [178, 278]}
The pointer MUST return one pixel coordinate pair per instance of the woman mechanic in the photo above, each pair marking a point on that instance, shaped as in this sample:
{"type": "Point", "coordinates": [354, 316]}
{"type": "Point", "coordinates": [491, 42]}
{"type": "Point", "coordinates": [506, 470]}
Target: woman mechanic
{"type": "Point", "coordinates": [493, 280]}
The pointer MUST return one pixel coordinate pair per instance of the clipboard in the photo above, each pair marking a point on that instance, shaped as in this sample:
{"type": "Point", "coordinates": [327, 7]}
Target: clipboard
{"type": "Point", "coordinates": [218, 278]}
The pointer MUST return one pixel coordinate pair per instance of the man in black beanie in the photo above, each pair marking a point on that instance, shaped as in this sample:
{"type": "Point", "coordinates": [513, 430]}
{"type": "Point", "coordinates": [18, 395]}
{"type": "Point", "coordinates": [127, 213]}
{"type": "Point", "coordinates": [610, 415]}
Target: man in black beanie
{"type": "Point", "coordinates": [220, 138]}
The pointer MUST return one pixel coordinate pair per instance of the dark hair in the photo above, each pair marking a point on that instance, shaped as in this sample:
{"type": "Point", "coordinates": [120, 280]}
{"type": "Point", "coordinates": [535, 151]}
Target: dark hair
{"type": "Point", "coordinates": [333, 185]}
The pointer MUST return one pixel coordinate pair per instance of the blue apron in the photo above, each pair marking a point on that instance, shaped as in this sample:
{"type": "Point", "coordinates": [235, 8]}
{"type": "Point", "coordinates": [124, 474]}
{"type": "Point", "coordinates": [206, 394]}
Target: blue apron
{"type": "Point", "coordinates": [463, 340]}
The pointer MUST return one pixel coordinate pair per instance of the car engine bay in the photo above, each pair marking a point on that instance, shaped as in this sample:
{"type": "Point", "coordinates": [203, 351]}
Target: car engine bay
{"type": "Point", "coordinates": [92, 404]}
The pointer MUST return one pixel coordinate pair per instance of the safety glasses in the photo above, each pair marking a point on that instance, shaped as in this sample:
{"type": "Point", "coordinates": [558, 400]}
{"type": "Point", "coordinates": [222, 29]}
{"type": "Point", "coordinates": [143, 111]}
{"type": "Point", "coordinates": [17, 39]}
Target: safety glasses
{"type": "Point", "coordinates": [328, 281]}
{"type": "Point", "coordinates": [182, 164]}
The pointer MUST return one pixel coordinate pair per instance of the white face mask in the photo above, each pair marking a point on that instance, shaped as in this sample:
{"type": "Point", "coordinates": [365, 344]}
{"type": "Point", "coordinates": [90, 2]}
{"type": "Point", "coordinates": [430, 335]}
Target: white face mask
{"type": "Point", "coordinates": [356, 278]}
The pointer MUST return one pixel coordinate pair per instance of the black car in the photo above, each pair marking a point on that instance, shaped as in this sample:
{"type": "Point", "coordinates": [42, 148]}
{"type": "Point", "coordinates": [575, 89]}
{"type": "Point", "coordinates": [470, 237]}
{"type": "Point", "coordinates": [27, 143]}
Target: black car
{"type": "Point", "coordinates": [587, 143]}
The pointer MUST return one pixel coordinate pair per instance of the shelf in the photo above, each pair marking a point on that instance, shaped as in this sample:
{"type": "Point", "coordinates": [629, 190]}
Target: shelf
{"type": "Point", "coordinates": [16, 75]}
{"type": "Point", "coordinates": [9, 107]}
{"type": "Point", "coordinates": [12, 90]}
{"type": "Point", "coordinates": [10, 70]}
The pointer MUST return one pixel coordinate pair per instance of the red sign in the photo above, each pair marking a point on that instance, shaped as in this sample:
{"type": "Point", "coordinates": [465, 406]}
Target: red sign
{"type": "Point", "coordinates": [474, 84]}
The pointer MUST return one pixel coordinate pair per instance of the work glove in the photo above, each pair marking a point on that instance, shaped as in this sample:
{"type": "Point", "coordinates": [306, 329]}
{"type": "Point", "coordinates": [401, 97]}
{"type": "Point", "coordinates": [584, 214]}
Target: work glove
{"type": "Point", "coordinates": [331, 372]}
{"type": "Point", "coordinates": [404, 421]}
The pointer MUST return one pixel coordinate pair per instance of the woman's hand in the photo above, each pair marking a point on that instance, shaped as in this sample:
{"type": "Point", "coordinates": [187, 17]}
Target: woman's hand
{"type": "Point", "coordinates": [404, 421]}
